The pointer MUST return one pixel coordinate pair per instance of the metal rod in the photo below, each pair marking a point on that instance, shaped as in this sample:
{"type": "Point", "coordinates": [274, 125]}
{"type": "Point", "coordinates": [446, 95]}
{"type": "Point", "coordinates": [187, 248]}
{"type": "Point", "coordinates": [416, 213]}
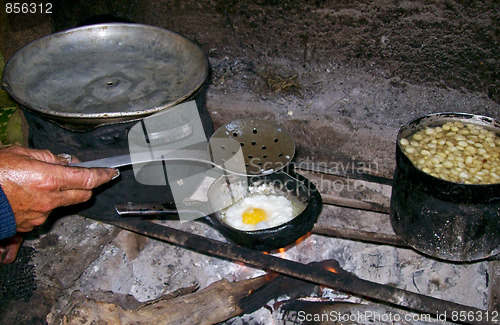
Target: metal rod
{"type": "Point", "coordinates": [355, 174]}
{"type": "Point", "coordinates": [342, 280]}
{"type": "Point", "coordinates": [359, 235]}
{"type": "Point", "coordinates": [355, 203]}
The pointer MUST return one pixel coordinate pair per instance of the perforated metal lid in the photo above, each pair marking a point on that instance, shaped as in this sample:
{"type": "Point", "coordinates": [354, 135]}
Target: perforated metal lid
{"type": "Point", "coordinates": [266, 146]}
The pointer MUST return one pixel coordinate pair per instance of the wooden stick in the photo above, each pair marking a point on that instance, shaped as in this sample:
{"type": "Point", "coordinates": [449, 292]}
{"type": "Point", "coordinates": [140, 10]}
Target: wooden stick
{"type": "Point", "coordinates": [356, 174]}
{"type": "Point", "coordinates": [213, 304]}
{"type": "Point", "coordinates": [334, 199]}
{"type": "Point", "coordinates": [360, 235]}
{"type": "Point", "coordinates": [355, 203]}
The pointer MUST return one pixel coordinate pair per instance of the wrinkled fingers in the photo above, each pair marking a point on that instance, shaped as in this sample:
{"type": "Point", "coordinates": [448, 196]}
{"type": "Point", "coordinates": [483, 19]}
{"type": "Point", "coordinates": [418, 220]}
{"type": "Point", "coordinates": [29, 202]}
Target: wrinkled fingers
{"type": "Point", "coordinates": [31, 220]}
{"type": "Point", "coordinates": [70, 197]}
{"type": "Point", "coordinates": [38, 154]}
{"type": "Point", "coordinates": [9, 249]}
{"type": "Point", "coordinates": [78, 178]}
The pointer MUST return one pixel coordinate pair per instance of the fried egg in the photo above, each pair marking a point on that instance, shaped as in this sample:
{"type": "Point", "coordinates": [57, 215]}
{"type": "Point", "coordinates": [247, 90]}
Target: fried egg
{"type": "Point", "coordinates": [259, 211]}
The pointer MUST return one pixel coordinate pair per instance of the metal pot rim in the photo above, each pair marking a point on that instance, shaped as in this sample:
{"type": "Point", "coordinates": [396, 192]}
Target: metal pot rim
{"type": "Point", "coordinates": [307, 216]}
{"type": "Point", "coordinates": [440, 118]}
{"type": "Point", "coordinates": [100, 117]}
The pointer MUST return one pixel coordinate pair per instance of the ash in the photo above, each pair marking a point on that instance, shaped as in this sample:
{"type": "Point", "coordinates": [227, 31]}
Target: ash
{"type": "Point", "coordinates": [130, 264]}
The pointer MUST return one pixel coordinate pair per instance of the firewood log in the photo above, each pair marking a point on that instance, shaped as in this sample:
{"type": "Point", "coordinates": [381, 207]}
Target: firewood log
{"type": "Point", "coordinates": [213, 304]}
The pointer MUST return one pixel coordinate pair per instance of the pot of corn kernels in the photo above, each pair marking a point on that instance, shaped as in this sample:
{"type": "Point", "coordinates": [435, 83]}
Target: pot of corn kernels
{"type": "Point", "coordinates": [445, 198]}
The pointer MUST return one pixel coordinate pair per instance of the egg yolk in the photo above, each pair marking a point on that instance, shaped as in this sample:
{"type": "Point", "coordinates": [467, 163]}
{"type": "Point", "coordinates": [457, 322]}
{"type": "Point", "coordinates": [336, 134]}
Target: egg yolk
{"type": "Point", "coordinates": [253, 216]}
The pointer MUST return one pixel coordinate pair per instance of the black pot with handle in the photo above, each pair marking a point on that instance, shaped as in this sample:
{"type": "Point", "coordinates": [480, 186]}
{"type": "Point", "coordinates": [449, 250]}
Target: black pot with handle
{"type": "Point", "coordinates": [443, 219]}
{"type": "Point", "coordinates": [83, 89]}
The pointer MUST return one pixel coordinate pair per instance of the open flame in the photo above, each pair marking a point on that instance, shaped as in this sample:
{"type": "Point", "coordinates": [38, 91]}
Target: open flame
{"type": "Point", "coordinates": [331, 269]}
{"type": "Point", "coordinates": [301, 239]}
{"type": "Point", "coordinates": [284, 254]}
{"type": "Point", "coordinates": [283, 250]}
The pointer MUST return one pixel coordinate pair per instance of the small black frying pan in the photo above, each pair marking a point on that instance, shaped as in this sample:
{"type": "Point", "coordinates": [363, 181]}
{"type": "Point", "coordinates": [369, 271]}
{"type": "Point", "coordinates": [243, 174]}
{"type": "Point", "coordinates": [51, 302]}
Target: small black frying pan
{"type": "Point", "coordinates": [282, 183]}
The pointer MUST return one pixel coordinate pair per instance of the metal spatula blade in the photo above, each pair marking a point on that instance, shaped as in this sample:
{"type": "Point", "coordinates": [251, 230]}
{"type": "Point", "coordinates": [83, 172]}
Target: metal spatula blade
{"type": "Point", "coordinates": [243, 147]}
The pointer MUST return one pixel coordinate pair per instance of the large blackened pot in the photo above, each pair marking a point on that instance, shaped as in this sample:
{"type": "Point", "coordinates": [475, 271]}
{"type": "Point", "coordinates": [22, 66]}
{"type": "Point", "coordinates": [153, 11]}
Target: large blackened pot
{"type": "Point", "coordinates": [446, 220]}
{"type": "Point", "coordinates": [83, 89]}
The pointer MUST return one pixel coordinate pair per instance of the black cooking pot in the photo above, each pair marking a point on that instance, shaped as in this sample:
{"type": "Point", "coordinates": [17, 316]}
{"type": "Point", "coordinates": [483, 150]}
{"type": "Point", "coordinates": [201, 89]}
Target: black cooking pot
{"type": "Point", "coordinates": [443, 219]}
{"type": "Point", "coordinates": [290, 185]}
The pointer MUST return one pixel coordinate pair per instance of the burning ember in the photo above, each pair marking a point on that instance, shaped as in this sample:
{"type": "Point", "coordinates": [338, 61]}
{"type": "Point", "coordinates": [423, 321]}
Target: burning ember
{"type": "Point", "coordinates": [331, 269]}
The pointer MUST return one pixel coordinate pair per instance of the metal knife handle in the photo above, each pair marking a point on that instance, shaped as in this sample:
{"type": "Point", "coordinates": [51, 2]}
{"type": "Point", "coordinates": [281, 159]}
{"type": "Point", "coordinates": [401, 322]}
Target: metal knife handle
{"type": "Point", "coordinates": [173, 155]}
{"type": "Point", "coordinates": [147, 209]}
{"type": "Point", "coordinates": [110, 162]}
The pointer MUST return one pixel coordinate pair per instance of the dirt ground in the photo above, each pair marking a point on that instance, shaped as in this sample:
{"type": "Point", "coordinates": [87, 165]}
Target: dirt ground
{"type": "Point", "coordinates": [342, 76]}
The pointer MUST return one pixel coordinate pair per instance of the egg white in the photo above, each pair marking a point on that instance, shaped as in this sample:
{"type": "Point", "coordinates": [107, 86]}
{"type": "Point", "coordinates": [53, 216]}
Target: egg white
{"type": "Point", "coordinates": [278, 208]}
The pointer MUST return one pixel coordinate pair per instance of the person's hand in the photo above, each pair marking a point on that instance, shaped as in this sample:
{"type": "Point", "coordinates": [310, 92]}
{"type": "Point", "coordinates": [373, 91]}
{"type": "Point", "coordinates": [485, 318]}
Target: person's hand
{"type": "Point", "coordinates": [9, 248]}
{"type": "Point", "coordinates": [37, 181]}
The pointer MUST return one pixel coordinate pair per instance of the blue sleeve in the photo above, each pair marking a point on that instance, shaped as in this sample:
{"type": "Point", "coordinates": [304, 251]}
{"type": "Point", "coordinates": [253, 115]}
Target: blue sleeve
{"type": "Point", "coordinates": [8, 227]}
